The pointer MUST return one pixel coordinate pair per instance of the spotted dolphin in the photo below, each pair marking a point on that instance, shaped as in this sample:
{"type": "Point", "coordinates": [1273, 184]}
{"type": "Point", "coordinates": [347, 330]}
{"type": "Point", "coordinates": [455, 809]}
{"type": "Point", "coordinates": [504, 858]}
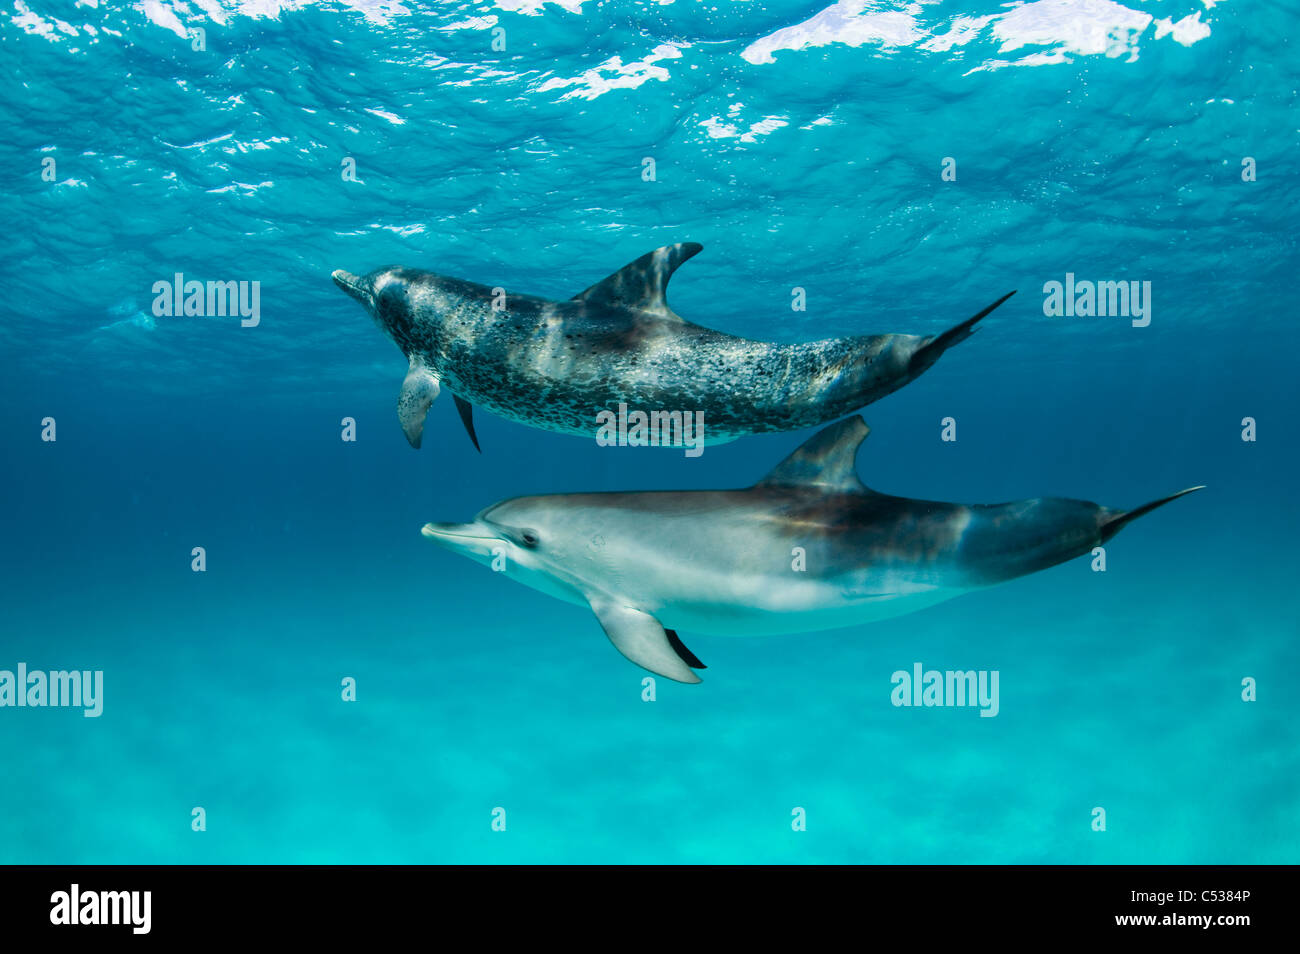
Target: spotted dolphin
{"type": "Point", "coordinates": [809, 547]}
{"type": "Point", "coordinates": [558, 364]}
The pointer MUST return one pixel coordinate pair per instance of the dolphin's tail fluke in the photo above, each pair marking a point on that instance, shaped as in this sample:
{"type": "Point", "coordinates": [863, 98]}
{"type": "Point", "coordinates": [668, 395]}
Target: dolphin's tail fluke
{"type": "Point", "coordinates": [929, 353]}
{"type": "Point", "coordinates": [1118, 520]}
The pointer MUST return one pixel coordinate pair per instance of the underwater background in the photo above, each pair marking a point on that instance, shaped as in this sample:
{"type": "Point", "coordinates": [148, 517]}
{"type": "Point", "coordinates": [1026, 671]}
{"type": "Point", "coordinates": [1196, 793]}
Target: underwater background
{"type": "Point", "coordinates": [805, 146]}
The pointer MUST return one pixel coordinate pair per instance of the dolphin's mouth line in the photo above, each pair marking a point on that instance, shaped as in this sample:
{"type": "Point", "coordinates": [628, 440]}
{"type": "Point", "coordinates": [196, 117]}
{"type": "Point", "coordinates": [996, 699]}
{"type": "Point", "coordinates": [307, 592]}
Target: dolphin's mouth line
{"type": "Point", "coordinates": [435, 532]}
{"type": "Point", "coordinates": [352, 284]}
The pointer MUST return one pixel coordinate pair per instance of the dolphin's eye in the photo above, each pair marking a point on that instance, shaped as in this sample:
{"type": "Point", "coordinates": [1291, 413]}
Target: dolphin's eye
{"type": "Point", "coordinates": [530, 538]}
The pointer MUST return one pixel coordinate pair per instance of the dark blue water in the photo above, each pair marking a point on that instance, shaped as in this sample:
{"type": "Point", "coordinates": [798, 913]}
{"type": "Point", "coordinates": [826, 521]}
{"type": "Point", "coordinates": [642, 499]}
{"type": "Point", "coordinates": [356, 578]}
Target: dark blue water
{"type": "Point", "coordinates": [804, 147]}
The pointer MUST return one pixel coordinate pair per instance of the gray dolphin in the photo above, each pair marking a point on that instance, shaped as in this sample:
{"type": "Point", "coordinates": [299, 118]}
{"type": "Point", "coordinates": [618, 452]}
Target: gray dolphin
{"type": "Point", "coordinates": [557, 364]}
{"type": "Point", "coordinates": [723, 562]}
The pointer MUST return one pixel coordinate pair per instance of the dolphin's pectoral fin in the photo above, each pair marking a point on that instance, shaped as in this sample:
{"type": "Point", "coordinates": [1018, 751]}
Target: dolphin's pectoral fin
{"type": "Point", "coordinates": [680, 649]}
{"type": "Point", "coordinates": [641, 638]}
{"type": "Point", "coordinates": [419, 391]}
{"type": "Point", "coordinates": [641, 285]}
{"type": "Point", "coordinates": [467, 418]}
{"type": "Point", "coordinates": [827, 460]}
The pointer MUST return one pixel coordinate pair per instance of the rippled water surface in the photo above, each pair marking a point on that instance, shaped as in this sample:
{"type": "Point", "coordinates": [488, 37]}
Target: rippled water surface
{"type": "Point", "coordinates": [509, 143]}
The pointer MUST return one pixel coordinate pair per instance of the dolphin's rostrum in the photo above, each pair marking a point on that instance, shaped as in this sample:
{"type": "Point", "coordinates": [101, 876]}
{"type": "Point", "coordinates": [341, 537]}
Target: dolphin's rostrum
{"type": "Point", "coordinates": [557, 364]}
{"type": "Point", "coordinates": [726, 563]}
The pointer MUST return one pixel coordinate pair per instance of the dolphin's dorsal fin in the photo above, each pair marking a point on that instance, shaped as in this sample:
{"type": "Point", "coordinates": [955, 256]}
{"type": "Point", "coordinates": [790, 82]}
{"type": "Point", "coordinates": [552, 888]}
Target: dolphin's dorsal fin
{"type": "Point", "coordinates": [641, 285]}
{"type": "Point", "coordinates": [827, 460]}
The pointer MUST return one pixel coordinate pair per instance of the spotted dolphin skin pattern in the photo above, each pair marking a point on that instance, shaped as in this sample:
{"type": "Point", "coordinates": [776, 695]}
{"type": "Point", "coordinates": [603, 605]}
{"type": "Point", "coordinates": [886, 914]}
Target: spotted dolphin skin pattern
{"type": "Point", "coordinates": [809, 547]}
{"type": "Point", "coordinates": [557, 364]}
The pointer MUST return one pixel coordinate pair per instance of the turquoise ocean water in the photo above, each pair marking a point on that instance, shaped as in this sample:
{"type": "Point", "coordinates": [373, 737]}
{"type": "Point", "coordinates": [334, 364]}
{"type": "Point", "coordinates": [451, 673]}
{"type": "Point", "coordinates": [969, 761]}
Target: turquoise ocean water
{"type": "Point", "coordinates": [804, 146]}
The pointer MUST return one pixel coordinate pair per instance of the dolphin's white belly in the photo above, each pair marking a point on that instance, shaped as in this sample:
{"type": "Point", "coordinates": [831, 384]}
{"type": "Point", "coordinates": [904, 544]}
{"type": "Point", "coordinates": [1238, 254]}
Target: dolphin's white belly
{"type": "Point", "coordinates": [706, 567]}
{"type": "Point", "coordinates": [765, 606]}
